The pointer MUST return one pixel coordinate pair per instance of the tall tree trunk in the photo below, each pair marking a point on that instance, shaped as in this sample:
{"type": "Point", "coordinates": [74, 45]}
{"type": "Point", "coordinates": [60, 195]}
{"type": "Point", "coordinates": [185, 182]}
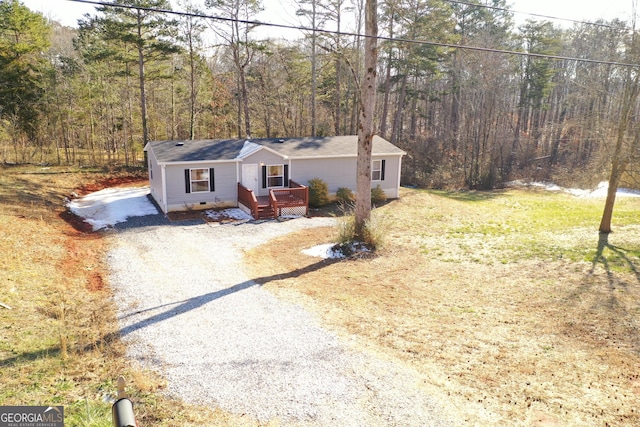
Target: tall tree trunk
{"type": "Point", "coordinates": [357, 99]}
{"type": "Point", "coordinates": [365, 127]}
{"type": "Point", "coordinates": [620, 159]}
{"type": "Point", "coordinates": [617, 170]}
{"type": "Point", "coordinates": [397, 121]}
{"type": "Point", "coordinates": [192, 83]}
{"type": "Point", "coordinates": [385, 101]}
{"type": "Point", "coordinates": [245, 102]}
{"type": "Point", "coordinates": [173, 102]}
{"type": "Point", "coordinates": [516, 134]}
{"type": "Point", "coordinates": [555, 145]}
{"type": "Point", "coordinates": [314, 80]}
{"type": "Point", "coordinates": [239, 112]}
{"type": "Point", "coordinates": [387, 81]}
{"type": "Point", "coordinates": [413, 122]}
{"type": "Point", "coordinates": [338, 65]}
{"type": "Point", "coordinates": [241, 67]}
{"type": "Point", "coordinates": [455, 101]}
{"type": "Point", "coordinates": [143, 95]}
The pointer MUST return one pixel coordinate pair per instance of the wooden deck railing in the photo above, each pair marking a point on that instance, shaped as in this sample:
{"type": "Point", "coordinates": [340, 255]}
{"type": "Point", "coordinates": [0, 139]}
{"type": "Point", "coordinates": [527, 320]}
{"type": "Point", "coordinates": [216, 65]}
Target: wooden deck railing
{"type": "Point", "coordinates": [274, 203]}
{"type": "Point", "coordinates": [248, 198]}
{"type": "Point", "coordinates": [295, 198]}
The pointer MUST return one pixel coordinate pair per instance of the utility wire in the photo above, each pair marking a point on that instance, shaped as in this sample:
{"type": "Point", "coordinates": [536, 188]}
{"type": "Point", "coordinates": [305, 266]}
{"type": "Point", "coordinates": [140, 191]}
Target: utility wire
{"type": "Point", "coordinates": [341, 33]}
{"type": "Point", "coordinates": [537, 15]}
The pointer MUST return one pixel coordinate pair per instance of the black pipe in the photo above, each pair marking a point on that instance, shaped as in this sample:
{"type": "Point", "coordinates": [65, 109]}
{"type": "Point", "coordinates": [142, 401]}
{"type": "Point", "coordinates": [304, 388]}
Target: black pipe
{"type": "Point", "coordinates": [122, 414]}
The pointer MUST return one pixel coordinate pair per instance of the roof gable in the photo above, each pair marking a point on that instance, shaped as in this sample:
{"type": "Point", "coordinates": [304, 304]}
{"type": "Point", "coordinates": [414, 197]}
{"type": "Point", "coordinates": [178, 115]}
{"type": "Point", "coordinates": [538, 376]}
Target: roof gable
{"type": "Point", "coordinates": [248, 148]}
{"type": "Point", "coordinates": [251, 147]}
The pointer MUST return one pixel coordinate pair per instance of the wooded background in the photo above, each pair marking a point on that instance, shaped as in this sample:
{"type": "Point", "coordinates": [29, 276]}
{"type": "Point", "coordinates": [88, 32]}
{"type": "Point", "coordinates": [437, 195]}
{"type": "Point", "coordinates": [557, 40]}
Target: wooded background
{"type": "Point", "coordinates": [536, 101]}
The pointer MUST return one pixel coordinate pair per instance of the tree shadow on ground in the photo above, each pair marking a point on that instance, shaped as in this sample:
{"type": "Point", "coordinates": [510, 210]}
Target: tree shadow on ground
{"type": "Point", "coordinates": [180, 307]}
{"type": "Point", "coordinates": [172, 310]}
{"type": "Point", "coordinates": [31, 356]}
{"type": "Point", "coordinates": [469, 196]}
{"type": "Point", "coordinates": [604, 304]}
{"type": "Point", "coordinates": [619, 258]}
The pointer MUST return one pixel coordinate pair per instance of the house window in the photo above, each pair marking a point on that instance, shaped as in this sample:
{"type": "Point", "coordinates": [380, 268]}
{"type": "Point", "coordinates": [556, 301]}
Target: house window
{"type": "Point", "coordinates": [199, 180]}
{"type": "Point", "coordinates": [377, 170]}
{"type": "Point", "coordinates": [275, 176]}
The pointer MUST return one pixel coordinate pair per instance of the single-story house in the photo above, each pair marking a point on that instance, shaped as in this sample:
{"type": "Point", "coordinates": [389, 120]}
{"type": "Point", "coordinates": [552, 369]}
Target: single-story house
{"type": "Point", "coordinates": [206, 174]}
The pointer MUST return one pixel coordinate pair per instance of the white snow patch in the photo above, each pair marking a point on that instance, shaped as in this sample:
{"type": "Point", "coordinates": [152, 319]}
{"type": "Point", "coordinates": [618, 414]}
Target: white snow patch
{"type": "Point", "coordinates": [603, 187]}
{"type": "Point", "coordinates": [599, 192]}
{"type": "Point", "coordinates": [327, 251]}
{"type": "Point", "coordinates": [110, 206]}
{"type": "Point", "coordinates": [324, 251]}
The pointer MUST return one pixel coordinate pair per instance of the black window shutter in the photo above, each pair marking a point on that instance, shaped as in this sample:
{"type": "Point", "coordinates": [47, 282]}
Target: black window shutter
{"type": "Point", "coordinates": [212, 180]}
{"type": "Point", "coordinates": [264, 177]}
{"type": "Point", "coordinates": [286, 175]}
{"type": "Point", "coordinates": [382, 173]}
{"type": "Point", "coordinates": [187, 180]}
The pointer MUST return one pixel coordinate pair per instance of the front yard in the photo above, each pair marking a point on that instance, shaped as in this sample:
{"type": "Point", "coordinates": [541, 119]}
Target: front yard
{"type": "Point", "coordinates": [506, 302]}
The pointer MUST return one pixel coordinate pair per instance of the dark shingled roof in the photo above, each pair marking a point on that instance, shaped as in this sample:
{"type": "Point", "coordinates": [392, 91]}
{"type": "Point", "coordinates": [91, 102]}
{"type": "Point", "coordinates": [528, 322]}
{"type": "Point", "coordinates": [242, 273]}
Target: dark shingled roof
{"type": "Point", "coordinates": [232, 149]}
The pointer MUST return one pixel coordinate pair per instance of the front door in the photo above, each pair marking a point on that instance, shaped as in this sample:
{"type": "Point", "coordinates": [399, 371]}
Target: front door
{"type": "Point", "coordinates": [250, 174]}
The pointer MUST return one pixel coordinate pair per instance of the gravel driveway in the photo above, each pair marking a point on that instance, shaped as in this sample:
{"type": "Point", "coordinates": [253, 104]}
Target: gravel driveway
{"type": "Point", "coordinates": [188, 310]}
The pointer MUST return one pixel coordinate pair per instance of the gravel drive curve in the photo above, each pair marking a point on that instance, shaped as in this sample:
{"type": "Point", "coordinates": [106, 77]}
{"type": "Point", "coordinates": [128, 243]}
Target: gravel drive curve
{"type": "Point", "coordinates": [188, 310]}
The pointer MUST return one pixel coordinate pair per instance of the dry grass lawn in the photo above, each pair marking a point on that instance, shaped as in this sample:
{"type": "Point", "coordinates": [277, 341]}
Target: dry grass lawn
{"type": "Point", "coordinates": [58, 327]}
{"type": "Point", "coordinates": [506, 303]}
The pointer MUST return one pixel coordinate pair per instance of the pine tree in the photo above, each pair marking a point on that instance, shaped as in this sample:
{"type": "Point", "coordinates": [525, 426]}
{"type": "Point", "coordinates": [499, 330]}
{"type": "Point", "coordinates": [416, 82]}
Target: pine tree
{"type": "Point", "coordinates": [24, 36]}
{"type": "Point", "coordinates": [139, 33]}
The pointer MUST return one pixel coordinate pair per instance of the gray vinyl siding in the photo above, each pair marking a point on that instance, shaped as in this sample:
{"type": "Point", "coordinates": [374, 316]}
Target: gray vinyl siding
{"type": "Point", "coordinates": [391, 176]}
{"type": "Point", "coordinates": [341, 172]}
{"type": "Point", "coordinates": [337, 172]}
{"type": "Point", "coordinates": [225, 194]}
{"type": "Point", "coordinates": [267, 158]}
{"type": "Point", "coordinates": [155, 179]}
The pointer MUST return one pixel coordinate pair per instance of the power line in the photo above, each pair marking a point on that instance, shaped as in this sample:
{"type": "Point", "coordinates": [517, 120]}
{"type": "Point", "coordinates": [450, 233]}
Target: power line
{"type": "Point", "coordinates": [350, 34]}
{"type": "Point", "coordinates": [537, 15]}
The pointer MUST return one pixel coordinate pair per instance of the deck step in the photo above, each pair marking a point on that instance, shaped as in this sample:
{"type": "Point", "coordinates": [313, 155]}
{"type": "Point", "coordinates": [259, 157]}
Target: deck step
{"type": "Point", "coordinates": [265, 212]}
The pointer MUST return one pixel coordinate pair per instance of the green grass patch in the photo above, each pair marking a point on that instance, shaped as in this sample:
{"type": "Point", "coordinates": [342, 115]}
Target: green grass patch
{"type": "Point", "coordinates": [515, 225]}
{"type": "Point", "coordinates": [88, 413]}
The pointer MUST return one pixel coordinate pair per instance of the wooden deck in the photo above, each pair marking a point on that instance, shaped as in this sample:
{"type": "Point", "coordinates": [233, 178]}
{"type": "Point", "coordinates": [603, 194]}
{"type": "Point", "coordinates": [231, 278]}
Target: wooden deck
{"type": "Point", "coordinates": [293, 200]}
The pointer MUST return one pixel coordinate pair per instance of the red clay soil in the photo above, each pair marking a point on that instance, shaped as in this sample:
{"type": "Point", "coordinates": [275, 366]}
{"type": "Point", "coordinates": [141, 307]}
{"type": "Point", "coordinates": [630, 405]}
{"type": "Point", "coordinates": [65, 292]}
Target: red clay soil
{"type": "Point", "coordinates": [76, 222]}
{"type": "Point", "coordinates": [113, 181]}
